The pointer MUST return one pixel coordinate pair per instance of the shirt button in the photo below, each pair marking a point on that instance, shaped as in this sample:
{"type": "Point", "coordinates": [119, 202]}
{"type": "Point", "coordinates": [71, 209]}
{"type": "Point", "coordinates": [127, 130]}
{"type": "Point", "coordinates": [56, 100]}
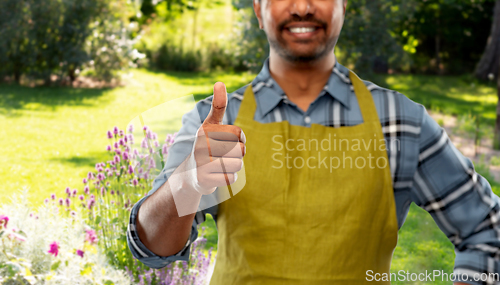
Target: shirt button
{"type": "Point", "coordinates": [307, 119]}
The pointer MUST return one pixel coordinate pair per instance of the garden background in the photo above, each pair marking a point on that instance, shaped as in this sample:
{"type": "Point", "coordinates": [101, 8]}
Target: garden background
{"type": "Point", "coordinates": [71, 71]}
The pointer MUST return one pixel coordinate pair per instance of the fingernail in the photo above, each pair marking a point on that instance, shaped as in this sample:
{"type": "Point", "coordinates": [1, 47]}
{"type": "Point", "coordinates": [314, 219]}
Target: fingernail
{"type": "Point", "coordinates": [243, 138]}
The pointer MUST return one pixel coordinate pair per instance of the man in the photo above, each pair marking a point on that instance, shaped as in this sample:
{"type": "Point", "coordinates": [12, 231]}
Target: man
{"type": "Point", "coordinates": [301, 219]}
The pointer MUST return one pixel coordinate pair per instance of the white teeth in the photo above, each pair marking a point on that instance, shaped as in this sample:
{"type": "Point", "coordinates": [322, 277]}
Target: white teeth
{"type": "Point", "coordinates": [297, 30]}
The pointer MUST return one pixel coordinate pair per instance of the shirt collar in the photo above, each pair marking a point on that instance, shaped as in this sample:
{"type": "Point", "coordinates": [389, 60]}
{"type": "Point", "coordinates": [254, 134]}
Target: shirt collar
{"type": "Point", "coordinates": [269, 94]}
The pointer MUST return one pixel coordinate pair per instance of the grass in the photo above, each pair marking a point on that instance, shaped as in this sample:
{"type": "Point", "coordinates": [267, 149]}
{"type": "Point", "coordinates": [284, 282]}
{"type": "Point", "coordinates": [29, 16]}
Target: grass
{"type": "Point", "coordinates": [53, 136]}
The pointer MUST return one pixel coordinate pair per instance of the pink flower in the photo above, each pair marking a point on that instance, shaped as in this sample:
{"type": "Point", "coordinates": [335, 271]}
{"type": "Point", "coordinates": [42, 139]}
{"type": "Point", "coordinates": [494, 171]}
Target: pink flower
{"type": "Point", "coordinates": [90, 204]}
{"type": "Point", "coordinates": [108, 148]}
{"type": "Point", "coordinates": [53, 196]}
{"type": "Point", "coordinates": [110, 135]}
{"type": "Point", "coordinates": [121, 142]}
{"type": "Point", "coordinates": [84, 180]}
{"type": "Point", "coordinates": [4, 220]}
{"type": "Point", "coordinates": [112, 192]}
{"type": "Point", "coordinates": [118, 152]}
{"type": "Point", "coordinates": [135, 182]}
{"type": "Point", "coordinates": [115, 130]}
{"type": "Point", "coordinates": [121, 133]}
{"type": "Point", "coordinates": [86, 190]}
{"type": "Point", "coordinates": [81, 197]}
{"type": "Point", "coordinates": [101, 176]}
{"type": "Point", "coordinates": [130, 128]}
{"type": "Point", "coordinates": [90, 176]}
{"type": "Point", "coordinates": [130, 169]}
{"type": "Point", "coordinates": [80, 253]}
{"type": "Point", "coordinates": [103, 191]}
{"type": "Point", "coordinates": [61, 201]}
{"type": "Point", "coordinates": [54, 248]}
{"type": "Point", "coordinates": [46, 201]}
{"type": "Point", "coordinates": [164, 149]}
{"type": "Point", "coordinates": [68, 202]}
{"type": "Point", "coordinates": [68, 191]}
{"type": "Point", "coordinates": [125, 156]}
{"type": "Point", "coordinates": [116, 145]}
{"type": "Point", "coordinates": [117, 159]}
{"type": "Point", "coordinates": [90, 236]}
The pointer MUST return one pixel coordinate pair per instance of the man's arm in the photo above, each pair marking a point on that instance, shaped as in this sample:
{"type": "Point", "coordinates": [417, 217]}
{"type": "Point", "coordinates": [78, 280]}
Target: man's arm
{"type": "Point", "coordinates": [460, 201]}
{"type": "Point", "coordinates": [163, 222]}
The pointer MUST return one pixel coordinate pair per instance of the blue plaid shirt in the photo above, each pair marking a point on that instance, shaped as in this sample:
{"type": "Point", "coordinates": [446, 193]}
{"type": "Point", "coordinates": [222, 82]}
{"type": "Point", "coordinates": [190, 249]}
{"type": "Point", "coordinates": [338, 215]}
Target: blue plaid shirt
{"type": "Point", "coordinates": [426, 169]}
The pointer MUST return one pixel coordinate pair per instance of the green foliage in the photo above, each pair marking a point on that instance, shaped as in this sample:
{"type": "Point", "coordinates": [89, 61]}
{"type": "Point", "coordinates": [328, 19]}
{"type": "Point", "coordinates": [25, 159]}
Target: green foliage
{"type": "Point", "coordinates": [456, 30]}
{"type": "Point", "coordinates": [169, 57]}
{"type": "Point", "coordinates": [61, 37]}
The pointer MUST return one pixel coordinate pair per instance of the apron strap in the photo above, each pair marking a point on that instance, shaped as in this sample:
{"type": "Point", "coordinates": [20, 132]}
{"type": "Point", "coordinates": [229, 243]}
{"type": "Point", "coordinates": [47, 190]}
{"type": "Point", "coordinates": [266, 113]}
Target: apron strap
{"type": "Point", "coordinates": [364, 96]}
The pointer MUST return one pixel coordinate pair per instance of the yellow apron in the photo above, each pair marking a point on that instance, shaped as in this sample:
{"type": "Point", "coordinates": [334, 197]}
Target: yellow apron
{"type": "Point", "coordinates": [298, 220]}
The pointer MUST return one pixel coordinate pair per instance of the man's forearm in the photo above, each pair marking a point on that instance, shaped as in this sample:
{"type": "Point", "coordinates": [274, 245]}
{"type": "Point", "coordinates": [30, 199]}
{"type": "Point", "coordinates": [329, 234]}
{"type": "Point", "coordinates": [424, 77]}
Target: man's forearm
{"type": "Point", "coordinates": [159, 226]}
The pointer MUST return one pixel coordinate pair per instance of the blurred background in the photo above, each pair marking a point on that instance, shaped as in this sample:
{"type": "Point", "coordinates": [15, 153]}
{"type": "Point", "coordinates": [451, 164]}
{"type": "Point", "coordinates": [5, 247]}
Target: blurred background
{"type": "Point", "coordinates": [72, 70]}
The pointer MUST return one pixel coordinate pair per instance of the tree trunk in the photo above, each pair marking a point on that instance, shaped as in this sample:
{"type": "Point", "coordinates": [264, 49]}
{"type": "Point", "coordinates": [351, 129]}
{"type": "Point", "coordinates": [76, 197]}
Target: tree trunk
{"type": "Point", "coordinates": [490, 61]}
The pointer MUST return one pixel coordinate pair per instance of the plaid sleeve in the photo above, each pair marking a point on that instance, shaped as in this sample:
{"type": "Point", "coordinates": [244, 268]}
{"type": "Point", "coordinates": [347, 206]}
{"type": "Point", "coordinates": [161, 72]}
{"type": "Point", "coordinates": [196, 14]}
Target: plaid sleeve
{"type": "Point", "coordinates": [144, 255]}
{"type": "Point", "coordinates": [461, 202]}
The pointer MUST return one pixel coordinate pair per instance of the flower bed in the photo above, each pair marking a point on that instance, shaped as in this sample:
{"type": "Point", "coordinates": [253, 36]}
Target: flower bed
{"type": "Point", "coordinates": [80, 238]}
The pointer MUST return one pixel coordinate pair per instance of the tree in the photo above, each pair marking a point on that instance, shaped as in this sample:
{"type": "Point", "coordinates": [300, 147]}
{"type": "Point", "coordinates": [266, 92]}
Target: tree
{"type": "Point", "coordinates": [490, 61]}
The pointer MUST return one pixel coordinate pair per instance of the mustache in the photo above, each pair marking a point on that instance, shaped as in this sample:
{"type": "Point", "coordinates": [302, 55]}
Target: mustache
{"type": "Point", "coordinates": [297, 18]}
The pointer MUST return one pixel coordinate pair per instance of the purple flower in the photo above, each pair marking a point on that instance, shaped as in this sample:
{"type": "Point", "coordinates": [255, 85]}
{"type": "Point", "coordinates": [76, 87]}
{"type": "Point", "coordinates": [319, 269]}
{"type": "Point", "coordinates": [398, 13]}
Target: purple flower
{"type": "Point", "coordinates": [99, 169]}
{"type": "Point", "coordinates": [154, 136]}
{"type": "Point", "coordinates": [81, 197]}
{"type": "Point", "coordinates": [130, 128]}
{"type": "Point", "coordinates": [73, 214]}
{"type": "Point", "coordinates": [164, 149]}
{"type": "Point", "coordinates": [68, 202]}
{"type": "Point", "coordinates": [53, 196]}
{"type": "Point", "coordinates": [121, 142]}
{"type": "Point", "coordinates": [54, 248]}
{"type": "Point", "coordinates": [101, 176]}
{"type": "Point", "coordinates": [68, 191]}
{"type": "Point", "coordinates": [145, 128]}
{"type": "Point", "coordinates": [115, 130]}
{"type": "Point", "coordinates": [74, 192]}
{"type": "Point", "coordinates": [135, 182]}
{"type": "Point", "coordinates": [112, 163]}
{"type": "Point", "coordinates": [110, 135]}
{"type": "Point", "coordinates": [86, 190]}
{"type": "Point", "coordinates": [117, 173]}
{"type": "Point", "coordinates": [156, 144]}
{"type": "Point", "coordinates": [116, 145]}
{"type": "Point", "coordinates": [131, 138]}
{"type": "Point", "coordinates": [46, 201]}
{"type": "Point", "coordinates": [4, 220]}
{"type": "Point", "coordinates": [125, 138]}
{"type": "Point", "coordinates": [169, 139]}
{"type": "Point", "coordinates": [108, 148]}
{"type": "Point", "coordinates": [103, 191]}
{"type": "Point", "coordinates": [149, 134]}
{"type": "Point", "coordinates": [117, 159]}
{"type": "Point", "coordinates": [144, 143]}
{"type": "Point", "coordinates": [121, 133]}
{"type": "Point", "coordinates": [80, 253]}
{"type": "Point", "coordinates": [61, 201]}
{"type": "Point", "coordinates": [125, 156]}
{"type": "Point", "coordinates": [90, 176]}
{"type": "Point", "coordinates": [90, 204]}
{"type": "Point", "coordinates": [84, 180]}
{"type": "Point", "coordinates": [130, 169]}
{"type": "Point", "coordinates": [112, 192]}
{"type": "Point", "coordinates": [90, 236]}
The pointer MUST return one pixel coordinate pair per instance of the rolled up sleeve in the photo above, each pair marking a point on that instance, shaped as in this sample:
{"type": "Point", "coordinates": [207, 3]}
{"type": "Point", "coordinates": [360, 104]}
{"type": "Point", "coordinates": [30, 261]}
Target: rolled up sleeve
{"type": "Point", "coordinates": [461, 202]}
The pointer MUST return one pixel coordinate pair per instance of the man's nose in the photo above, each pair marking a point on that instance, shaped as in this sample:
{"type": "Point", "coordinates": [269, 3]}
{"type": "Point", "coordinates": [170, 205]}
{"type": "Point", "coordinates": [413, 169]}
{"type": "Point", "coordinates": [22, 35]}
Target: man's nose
{"type": "Point", "coordinates": [302, 7]}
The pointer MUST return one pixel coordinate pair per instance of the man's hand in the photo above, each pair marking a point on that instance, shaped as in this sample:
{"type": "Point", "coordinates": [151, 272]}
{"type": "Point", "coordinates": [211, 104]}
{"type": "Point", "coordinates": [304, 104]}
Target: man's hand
{"type": "Point", "coordinates": [218, 149]}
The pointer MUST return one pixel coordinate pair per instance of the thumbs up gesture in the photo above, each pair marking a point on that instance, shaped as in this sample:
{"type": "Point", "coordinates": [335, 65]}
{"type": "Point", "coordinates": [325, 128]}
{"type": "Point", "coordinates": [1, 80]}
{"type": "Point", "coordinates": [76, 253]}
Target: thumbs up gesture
{"type": "Point", "coordinates": [218, 149]}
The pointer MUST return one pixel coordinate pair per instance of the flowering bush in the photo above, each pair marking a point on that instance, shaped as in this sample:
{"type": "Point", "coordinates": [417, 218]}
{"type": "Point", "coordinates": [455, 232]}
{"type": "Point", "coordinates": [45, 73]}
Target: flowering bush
{"type": "Point", "coordinates": [46, 248]}
{"type": "Point", "coordinates": [107, 197]}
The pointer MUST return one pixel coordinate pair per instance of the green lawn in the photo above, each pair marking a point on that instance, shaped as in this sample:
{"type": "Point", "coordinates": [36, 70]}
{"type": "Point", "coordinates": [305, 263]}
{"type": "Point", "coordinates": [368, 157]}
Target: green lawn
{"type": "Point", "coordinates": [51, 137]}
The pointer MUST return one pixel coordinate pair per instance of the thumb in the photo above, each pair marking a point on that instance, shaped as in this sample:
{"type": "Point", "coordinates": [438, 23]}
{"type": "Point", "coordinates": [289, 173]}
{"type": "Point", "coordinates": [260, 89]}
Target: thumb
{"type": "Point", "coordinates": [219, 103]}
